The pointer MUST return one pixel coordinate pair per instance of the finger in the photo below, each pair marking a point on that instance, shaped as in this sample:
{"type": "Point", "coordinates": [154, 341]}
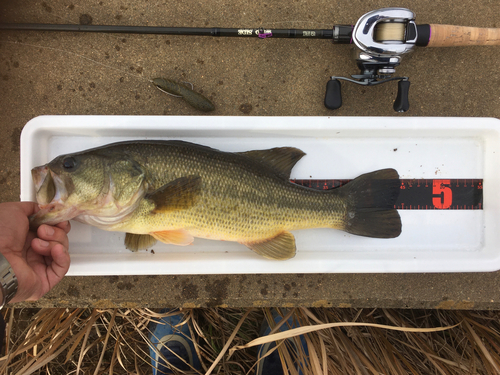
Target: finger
{"type": "Point", "coordinates": [42, 247]}
{"type": "Point", "coordinates": [29, 208]}
{"type": "Point", "coordinates": [50, 261]}
{"type": "Point", "coordinates": [59, 265]}
{"type": "Point", "coordinates": [53, 233]}
{"type": "Point", "coordinates": [65, 226]}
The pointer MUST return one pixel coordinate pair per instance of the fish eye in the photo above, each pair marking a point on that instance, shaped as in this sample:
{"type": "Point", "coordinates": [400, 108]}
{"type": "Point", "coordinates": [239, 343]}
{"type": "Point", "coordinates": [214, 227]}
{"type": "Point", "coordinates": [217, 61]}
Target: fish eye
{"type": "Point", "coordinates": [69, 163]}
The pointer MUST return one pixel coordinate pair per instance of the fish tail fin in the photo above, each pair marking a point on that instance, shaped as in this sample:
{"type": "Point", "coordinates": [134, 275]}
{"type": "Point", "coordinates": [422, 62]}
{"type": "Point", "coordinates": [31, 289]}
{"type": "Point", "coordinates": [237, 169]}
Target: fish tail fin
{"type": "Point", "coordinates": [370, 200]}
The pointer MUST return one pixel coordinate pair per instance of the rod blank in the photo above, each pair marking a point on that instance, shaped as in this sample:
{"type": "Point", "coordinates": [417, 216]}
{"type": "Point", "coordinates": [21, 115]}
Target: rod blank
{"type": "Point", "coordinates": [215, 31]}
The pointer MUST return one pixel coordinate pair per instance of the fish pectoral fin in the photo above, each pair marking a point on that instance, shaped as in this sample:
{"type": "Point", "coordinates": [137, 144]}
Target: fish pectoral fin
{"type": "Point", "coordinates": [179, 194]}
{"type": "Point", "coordinates": [281, 247]}
{"type": "Point", "coordinates": [135, 242]}
{"type": "Point", "coordinates": [281, 159]}
{"type": "Point", "coordinates": [179, 237]}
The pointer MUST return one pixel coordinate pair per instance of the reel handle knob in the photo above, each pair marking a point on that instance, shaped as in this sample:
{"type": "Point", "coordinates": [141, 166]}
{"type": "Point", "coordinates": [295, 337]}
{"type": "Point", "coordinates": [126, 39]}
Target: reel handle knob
{"type": "Point", "coordinates": [402, 104]}
{"type": "Point", "coordinates": [333, 95]}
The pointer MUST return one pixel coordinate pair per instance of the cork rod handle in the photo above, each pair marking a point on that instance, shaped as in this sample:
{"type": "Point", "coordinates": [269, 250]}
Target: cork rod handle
{"type": "Point", "coordinates": [456, 36]}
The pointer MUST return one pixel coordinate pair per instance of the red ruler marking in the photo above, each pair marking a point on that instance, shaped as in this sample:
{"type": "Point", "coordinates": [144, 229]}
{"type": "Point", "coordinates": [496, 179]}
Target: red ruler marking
{"type": "Point", "coordinates": [424, 194]}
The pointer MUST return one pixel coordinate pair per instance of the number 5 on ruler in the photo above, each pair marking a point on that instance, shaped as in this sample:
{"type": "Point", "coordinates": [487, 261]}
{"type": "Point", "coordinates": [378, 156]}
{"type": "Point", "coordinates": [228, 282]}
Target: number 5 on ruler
{"type": "Point", "coordinates": [441, 194]}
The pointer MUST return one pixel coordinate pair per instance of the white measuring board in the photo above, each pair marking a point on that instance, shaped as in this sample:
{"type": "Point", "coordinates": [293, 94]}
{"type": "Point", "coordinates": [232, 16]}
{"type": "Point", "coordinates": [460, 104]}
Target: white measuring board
{"type": "Point", "coordinates": [335, 147]}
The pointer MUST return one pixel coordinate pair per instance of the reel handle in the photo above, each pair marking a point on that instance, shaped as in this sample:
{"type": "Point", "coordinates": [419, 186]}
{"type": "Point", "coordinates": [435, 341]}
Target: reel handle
{"type": "Point", "coordinates": [402, 103]}
{"type": "Point", "coordinates": [333, 95]}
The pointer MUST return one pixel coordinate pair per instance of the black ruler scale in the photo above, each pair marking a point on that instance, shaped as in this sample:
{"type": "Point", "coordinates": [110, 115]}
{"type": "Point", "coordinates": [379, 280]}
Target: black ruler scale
{"type": "Point", "coordinates": [424, 194]}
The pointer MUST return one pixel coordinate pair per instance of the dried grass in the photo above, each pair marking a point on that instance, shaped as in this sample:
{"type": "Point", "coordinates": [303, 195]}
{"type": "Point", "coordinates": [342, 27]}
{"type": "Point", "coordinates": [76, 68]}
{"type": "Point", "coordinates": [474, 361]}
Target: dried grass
{"type": "Point", "coordinates": [340, 341]}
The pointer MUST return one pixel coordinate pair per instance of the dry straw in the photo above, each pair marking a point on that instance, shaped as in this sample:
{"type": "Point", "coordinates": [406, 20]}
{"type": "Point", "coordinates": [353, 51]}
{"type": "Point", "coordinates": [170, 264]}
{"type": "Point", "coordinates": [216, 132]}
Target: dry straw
{"type": "Point", "coordinates": [339, 341]}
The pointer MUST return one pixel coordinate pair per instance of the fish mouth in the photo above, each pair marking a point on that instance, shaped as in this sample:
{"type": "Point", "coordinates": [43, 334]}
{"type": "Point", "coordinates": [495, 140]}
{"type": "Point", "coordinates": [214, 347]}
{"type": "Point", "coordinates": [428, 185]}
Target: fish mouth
{"type": "Point", "coordinates": [51, 195]}
{"type": "Point", "coordinates": [49, 187]}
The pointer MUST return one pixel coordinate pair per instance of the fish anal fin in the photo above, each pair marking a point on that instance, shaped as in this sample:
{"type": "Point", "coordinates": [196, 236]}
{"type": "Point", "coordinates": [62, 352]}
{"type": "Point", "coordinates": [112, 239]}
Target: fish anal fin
{"type": "Point", "coordinates": [281, 159]}
{"type": "Point", "coordinates": [135, 242]}
{"type": "Point", "coordinates": [179, 237]}
{"type": "Point", "coordinates": [179, 194]}
{"type": "Point", "coordinates": [280, 247]}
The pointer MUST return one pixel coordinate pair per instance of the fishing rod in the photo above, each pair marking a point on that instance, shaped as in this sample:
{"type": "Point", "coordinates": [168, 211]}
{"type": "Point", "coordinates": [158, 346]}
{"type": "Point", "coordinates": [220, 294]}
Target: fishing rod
{"type": "Point", "coordinates": [381, 38]}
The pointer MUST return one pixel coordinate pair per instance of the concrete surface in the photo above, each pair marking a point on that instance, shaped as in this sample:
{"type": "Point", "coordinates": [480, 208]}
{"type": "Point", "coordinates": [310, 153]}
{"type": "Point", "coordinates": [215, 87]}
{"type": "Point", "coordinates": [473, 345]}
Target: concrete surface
{"type": "Point", "coordinates": [106, 74]}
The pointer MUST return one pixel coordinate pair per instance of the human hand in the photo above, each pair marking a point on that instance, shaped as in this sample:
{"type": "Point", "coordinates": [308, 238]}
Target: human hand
{"type": "Point", "coordinates": [40, 260]}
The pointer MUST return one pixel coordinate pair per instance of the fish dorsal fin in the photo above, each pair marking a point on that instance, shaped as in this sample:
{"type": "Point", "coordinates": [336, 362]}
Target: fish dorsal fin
{"type": "Point", "coordinates": [179, 194]}
{"type": "Point", "coordinates": [135, 242]}
{"type": "Point", "coordinates": [179, 237]}
{"type": "Point", "coordinates": [281, 247]}
{"type": "Point", "coordinates": [281, 159]}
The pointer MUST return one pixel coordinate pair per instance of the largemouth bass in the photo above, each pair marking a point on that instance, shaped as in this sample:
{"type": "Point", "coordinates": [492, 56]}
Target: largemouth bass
{"type": "Point", "coordinates": [173, 191]}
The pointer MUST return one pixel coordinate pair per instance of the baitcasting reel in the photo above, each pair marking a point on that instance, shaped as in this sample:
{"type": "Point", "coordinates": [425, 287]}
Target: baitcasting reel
{"type": "Point", "coordinates": [381, 37]}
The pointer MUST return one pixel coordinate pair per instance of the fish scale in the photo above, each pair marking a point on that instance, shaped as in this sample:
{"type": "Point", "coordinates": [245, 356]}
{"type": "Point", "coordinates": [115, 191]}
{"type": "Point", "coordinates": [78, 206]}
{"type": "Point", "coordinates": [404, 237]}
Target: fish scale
{"type": "Point", "coordinates": [174, 191]}
{"type": "Point", "coordinates": [205, 220]}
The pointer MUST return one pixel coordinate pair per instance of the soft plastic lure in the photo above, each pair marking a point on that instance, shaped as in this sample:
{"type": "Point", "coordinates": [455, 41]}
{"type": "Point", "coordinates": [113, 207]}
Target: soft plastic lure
{"type": "Point", "coordinates": [194, 99]}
